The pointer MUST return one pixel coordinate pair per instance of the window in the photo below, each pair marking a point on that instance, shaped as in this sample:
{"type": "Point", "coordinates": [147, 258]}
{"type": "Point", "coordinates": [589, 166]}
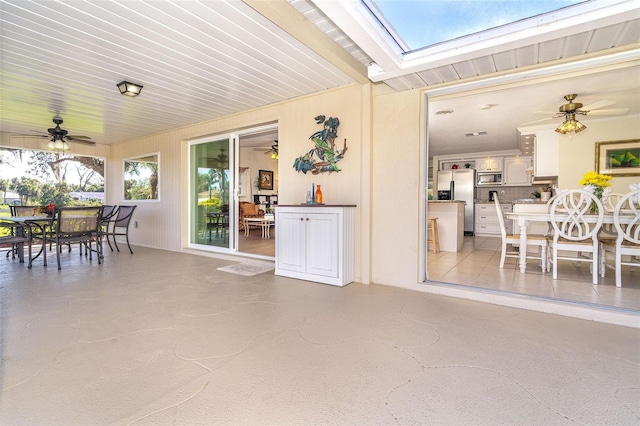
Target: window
{"type": "Point", "coordinates": [141, 177]}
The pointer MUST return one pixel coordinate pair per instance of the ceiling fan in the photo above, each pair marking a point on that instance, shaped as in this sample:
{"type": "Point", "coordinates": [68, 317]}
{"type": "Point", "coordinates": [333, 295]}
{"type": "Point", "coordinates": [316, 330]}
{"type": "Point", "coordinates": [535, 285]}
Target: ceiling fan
{"type": "Point", "coordinates": [569, 111]}
{"type": "Point", "coordinates": [59, 136]}
{"type": "Point", "coordinates": [273, 151]}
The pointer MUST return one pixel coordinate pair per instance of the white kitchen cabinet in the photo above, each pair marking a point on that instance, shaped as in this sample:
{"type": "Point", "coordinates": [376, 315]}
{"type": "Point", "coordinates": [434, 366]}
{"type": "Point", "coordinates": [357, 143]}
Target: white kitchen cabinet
{"type": "Point", "coordinates": [546, 154]}
{"type": "Point", "coordinates": [515, 171]}
{"type": "Point", "coordinates": [489, 164]}
{"type": "Point", "coordinates": [457, 164]}
{"type": "Point", "coordinates": [487, 222]}
{"type": "Point", "coordinates": [315, 243]}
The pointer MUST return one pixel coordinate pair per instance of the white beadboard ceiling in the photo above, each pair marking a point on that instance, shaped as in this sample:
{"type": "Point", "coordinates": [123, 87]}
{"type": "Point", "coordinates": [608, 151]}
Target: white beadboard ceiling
{"type": "Point", "coordinates": [199, 60]}
{"type": "Point", "coordinates": [196, 60]}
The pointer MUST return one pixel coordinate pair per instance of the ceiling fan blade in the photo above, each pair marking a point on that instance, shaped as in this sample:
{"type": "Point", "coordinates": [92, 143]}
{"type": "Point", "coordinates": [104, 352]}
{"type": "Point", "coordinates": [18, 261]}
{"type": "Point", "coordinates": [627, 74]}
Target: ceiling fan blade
{"type": "Point", "coordinates": [26, 135]}
{"type": "Point", "coordinates": [611, 111]}
{"type": "Point", "coordinates": [547, 113]}
{"type": "Point", "coordinates": [77, 137]}
{"type": "Point", "coordinates": [596, 105]}
{"type": "Point", "coordinates": [82, 141]}
{"type": "Point", "coordinates": [538, 121]}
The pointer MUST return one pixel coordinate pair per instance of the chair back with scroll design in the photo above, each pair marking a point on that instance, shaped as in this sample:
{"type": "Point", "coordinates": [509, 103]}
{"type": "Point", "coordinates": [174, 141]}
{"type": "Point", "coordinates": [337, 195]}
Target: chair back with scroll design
{"type": "Point", "coordinates": [575, 228]}
{"type": "Point", "coordinates": [612, 201]}
{"type": "Point", "coordinates": [510, 239]}
{"type": "Point", "coordinates": [627, 240]}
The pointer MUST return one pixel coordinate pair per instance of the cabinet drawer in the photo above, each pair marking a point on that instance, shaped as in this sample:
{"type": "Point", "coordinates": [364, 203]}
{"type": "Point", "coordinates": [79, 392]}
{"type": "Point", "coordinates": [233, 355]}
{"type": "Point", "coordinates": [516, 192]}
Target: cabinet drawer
{"type": "Point", "coordinates": [486, 208]}
{"type": "Point", "coordinates": [487, 228]}
{"type": "Point", "coordinates": [486, 218]}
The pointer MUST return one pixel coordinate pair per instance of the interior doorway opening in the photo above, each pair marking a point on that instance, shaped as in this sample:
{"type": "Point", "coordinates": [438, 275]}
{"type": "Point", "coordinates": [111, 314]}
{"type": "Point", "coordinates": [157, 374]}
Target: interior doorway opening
{"type": "Point", "coordinates": [257, 191]}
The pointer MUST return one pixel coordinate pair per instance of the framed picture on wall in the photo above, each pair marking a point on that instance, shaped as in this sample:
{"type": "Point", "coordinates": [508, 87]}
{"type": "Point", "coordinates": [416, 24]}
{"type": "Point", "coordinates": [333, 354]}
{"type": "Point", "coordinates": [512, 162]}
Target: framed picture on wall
{"type": "Point", "coordinates": [618, 158]}
{"type": "Point", "coordinates": [266, 179]}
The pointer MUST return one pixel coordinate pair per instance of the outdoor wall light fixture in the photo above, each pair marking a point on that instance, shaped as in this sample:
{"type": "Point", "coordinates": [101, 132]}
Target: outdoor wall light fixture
{"type": "Point", "coordinates": [570, 125]}
{"type": "Point", "coordinates": [129, 89]}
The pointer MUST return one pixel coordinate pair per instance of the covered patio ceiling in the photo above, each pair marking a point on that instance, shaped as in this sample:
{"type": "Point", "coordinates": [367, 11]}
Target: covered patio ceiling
{"type": "Point", "coordinates": [199, 61]}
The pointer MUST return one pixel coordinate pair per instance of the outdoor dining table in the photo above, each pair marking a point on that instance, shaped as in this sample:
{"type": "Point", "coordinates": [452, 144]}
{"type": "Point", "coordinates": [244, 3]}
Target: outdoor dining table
{"type": "Point", "coordinates": [40, 222]}
{"type": "Point", "coordinates": [523, 219]}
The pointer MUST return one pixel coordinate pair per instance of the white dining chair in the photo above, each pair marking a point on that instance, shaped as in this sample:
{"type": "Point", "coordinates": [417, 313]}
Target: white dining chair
{"type": "Point", "coordinates": [612, 201]}
{"type": "Point", "coordinates": [514, 240]}
{"type": "Point", "coordinates": [627, 241]}
{"type": "Point", "coordinates": [575, 229]}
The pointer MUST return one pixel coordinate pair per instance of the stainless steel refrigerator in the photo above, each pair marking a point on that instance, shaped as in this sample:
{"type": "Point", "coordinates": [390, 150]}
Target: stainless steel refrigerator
{"type": "Point", "coordinates": [459, 185]}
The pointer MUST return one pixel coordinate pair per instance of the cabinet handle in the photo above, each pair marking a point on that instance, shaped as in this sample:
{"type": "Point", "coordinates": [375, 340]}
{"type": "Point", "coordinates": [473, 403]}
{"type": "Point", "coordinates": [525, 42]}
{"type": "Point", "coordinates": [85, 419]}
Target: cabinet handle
{"type": "Point", "coordinates": [302, 218]}
{"type": "Point", "coordinates": [307, 219]}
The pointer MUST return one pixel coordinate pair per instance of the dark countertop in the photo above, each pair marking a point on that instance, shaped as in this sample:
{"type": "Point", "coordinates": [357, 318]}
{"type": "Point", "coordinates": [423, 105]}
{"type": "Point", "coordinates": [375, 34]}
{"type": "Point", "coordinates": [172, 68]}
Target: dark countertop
{"type": "Point", "coordinates": [446, 201]}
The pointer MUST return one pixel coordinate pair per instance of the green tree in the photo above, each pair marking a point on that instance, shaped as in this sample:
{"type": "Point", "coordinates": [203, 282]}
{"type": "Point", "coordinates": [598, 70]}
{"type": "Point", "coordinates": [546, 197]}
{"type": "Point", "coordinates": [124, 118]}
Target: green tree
{"type": "Point", "coordinates": [57, 194]}
{"type": "Point", "coordinates": [4, 187]}
{"type": "Point", "coordinates": [28, 188]}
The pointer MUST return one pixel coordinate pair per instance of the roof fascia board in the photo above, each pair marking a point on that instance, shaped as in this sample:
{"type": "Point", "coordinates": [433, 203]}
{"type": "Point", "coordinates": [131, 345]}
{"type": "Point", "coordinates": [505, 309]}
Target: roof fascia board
{"type": "Point", "coordinates": [513, 36]}
{"type": "Point", "coordinates": [295, 24]}
{"type": "Point", "coordinates": [599, 62]}
{"type": "Point", "coordinates": [359, 25]}
{"type": "Point", "coordinates": [357, 22]}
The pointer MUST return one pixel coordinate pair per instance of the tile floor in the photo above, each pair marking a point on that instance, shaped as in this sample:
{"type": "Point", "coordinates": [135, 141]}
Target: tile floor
{"type": "Point", "coordinates": [477, 265]}
{"type": "Point", "coordinates": [164, 338]}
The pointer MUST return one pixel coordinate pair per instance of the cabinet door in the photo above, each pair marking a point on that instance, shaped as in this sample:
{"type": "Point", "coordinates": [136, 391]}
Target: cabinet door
{"type": "Point", "coordinates": [515, 171]}
{"type": "Point", "coordinates": [290, 239]}
{"type": "Point", "coordinates": [322, 235]}
{"type": "Point", "coordinates": [490, 165]}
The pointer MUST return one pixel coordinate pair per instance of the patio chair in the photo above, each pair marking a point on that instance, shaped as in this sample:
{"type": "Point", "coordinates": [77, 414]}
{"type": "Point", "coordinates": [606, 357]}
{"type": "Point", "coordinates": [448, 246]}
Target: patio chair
{"type": "Point", "coordinates": [120, 226]}
{"type": "Point", "coordinates": [575, 229]}
{"type": "Point", "coordinates": [78, 225]}
{"type": "Point", "coordinates": [107, 217]}
{"type": "Point", "coordinates": [22, 211]}
{"type": "Point", "coordinates": [18, 235]}
{"type": "Point", "coordinates": [627, 241]}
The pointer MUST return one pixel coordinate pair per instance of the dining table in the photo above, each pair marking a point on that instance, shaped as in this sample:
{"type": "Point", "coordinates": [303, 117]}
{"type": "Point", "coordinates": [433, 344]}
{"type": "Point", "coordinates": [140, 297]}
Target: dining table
{"type": "Point", "coordinates": [39, 222]}
{"type": "Point", "coordinates": [524, 218]}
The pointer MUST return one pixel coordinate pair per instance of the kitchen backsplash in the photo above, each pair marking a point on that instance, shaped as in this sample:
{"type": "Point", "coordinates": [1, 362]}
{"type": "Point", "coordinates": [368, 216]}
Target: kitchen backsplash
{"type": "Point", "coordinates": [511, 193]}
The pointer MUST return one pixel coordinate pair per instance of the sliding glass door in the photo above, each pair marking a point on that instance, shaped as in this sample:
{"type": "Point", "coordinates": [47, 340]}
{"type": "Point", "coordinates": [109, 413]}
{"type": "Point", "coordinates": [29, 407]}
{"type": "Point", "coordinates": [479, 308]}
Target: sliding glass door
{"type": "Point", "coordinates": [211, 187]}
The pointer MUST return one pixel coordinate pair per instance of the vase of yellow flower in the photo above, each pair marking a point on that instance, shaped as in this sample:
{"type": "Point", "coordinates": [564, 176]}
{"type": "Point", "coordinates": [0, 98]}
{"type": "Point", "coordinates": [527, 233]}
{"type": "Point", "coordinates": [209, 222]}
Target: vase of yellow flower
{"type": "Point", "coordinates": [598, 185]}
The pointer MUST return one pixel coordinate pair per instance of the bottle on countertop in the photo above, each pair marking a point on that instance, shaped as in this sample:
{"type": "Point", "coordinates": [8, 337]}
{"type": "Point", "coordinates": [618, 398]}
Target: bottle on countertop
{"type": "Point", "coordinates": [318, 195]}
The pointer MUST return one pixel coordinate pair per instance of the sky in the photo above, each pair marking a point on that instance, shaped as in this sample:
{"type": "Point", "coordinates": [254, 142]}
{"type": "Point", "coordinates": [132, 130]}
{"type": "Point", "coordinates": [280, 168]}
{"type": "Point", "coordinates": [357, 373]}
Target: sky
{"type": "Point", "coordinates": [422, 23]}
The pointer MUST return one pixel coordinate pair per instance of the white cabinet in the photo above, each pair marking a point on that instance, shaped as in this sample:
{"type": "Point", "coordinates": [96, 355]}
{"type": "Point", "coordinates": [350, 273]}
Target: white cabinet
{"type": "Point", "coordinates": [487, 222]}
{"type": "Point", "coordinates": [515, 171]}
{"type": "Point", "coordinates": [315, 243]}
{"type": "Point", "coordinates": [489, 164]}
{"type": "Point", "coordinates": [546, 155]}
{"type": "Point", "coordinates": [457, 164]}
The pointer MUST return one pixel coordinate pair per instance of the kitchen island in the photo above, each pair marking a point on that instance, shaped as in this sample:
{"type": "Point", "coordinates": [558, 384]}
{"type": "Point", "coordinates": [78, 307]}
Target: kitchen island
{"type": "Point", "coordinates": [450, 214]}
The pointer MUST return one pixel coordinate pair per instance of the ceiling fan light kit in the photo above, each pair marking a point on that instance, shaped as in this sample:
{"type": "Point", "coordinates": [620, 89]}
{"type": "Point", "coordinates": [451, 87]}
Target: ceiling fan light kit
{"type": "Point", "coordinates": [58, 145]}
{"type": "Point", "coordinates": [570, 125]}
{"type": "Point", "coordinates": [129, 89]}
{"type": "Point", "coordinates": [569, 110]}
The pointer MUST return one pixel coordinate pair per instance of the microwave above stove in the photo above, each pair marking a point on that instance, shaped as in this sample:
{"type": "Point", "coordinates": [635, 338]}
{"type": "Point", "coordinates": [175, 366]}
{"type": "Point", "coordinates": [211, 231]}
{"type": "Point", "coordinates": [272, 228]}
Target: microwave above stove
{"type": "Point", "coordinates": [489, 178]}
